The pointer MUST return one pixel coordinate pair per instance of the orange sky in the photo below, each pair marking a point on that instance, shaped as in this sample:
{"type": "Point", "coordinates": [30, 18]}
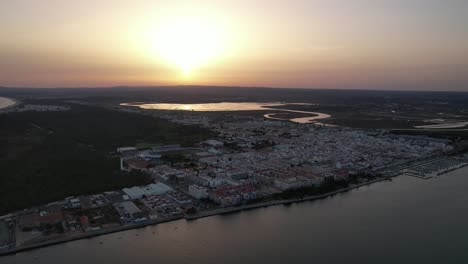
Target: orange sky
{"type": "Point", "coordinates": [369, 44]}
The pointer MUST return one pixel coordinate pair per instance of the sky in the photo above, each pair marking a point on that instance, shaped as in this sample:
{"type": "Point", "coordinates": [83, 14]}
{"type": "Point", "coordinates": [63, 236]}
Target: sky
{"type": "Point", "coordinates": [355, 44]}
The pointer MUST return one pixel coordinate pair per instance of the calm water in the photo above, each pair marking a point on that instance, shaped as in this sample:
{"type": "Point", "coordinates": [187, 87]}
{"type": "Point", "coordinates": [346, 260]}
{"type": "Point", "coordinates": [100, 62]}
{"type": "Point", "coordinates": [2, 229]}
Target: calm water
{"type": "Point", "coordinates": [302, 120]}
{"type": "Point", "coordinates": [236, 106]}
{"type": "Point", "coordinates": [408, 220]}
{"type": "Point", "coordinates": [6, 102]}
{"type": "Point", "coordinates": [209, 107]}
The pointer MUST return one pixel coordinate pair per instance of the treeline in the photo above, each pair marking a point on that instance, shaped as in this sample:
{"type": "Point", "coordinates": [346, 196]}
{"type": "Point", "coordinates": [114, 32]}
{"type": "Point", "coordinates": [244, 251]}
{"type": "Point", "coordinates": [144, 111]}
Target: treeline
{"type": "Point", "coordinates": [50, 155]}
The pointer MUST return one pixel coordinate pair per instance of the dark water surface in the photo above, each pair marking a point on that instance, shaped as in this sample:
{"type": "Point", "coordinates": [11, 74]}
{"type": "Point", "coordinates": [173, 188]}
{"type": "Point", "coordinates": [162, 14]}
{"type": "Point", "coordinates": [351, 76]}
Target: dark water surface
{"type": "Point", "coordinates": [407, 220]}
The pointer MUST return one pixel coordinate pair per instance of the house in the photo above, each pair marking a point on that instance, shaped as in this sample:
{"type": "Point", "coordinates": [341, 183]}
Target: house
{"type": "Point", "coordinates": [233, 195]}
{"type": "Point", "coordinates": [138, 192]}
{"type": "Point", "coordinates": [138, 164]}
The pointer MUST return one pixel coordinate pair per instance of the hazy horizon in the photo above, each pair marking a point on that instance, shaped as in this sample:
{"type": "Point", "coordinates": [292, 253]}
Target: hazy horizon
{"type": "Point", "coordinates": [368, 45]}
{"type": "Point", "coordinates": [156, 87]}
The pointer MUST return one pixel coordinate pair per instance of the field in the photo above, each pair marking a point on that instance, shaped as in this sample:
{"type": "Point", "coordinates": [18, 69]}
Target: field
{"type": "Point", "coordinates": [46, 156]}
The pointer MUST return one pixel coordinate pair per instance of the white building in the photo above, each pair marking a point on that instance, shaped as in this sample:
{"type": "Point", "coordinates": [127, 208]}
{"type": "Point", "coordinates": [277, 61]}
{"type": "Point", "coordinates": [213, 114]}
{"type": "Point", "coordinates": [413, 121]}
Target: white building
{"type": "Point", "coordinates": [134, 192]}
{"type": "Point", "coordinates": [125, 149]}
{"type": "Point", "coordinates": [293, 183]}
{"type": "Point", "coordinates": [198, 192]}
{"type": "Point", "coordinates": [213, 143]}
{"type": "Point", "coordinates": [138, 192]}
{"type": "Point", "coordinates": [74, 203]}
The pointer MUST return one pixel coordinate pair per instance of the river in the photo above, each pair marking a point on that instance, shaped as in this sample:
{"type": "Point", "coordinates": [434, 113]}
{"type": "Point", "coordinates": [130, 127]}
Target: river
{"type": "Point", "coordinates": [407, 220]}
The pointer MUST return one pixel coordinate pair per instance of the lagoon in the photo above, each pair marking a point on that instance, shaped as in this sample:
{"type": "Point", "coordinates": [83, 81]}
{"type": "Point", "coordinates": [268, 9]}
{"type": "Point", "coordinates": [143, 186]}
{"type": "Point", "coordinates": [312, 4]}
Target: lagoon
{"type": "Point", "coordinates": [236, 106]}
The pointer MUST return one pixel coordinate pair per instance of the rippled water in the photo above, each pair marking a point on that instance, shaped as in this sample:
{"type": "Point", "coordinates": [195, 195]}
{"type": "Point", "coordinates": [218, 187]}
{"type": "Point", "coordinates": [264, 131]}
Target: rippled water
{"type": "Point", "coordinates": [407, 220]}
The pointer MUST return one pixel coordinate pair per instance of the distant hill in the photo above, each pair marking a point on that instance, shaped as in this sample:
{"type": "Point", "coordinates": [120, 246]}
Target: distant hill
{"type": "Point", "coordinates": [191, 94]}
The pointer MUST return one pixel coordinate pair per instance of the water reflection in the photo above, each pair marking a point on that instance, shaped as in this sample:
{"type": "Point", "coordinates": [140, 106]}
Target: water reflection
{"type": "Point", "coordinates": [407, 220]}
{"type": "Point", "coordinates": [209, 107]}
{"type": "Point", "coordinates": [238, 106]}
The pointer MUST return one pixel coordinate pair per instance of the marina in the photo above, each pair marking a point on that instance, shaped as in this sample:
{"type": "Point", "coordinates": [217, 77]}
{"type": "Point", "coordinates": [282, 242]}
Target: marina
{"type": "Point", "coordinates": [433, 168]}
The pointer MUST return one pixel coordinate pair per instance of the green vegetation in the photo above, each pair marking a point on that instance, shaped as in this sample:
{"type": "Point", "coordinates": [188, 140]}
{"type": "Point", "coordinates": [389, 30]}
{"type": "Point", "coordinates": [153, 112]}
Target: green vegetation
{"type": "Point", "coordinates": [145, 145]}
{"type": "Point", "coordinates": [326, 187]}
{"type": "Point", "coordinates": [263, 144]}
{"type": "Point", "coordinates": [46, 156]}
{"type": "Point", "coordinates": [174, 157]}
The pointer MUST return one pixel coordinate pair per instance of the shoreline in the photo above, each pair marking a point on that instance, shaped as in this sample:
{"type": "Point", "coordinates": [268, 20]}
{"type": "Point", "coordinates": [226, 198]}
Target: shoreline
{"type": "Point", "coordinates": [229, 210]}
{"type": "Point", "coordinates": [88, 235]}
{"type": "Point", "coordinates": [203, 214]}
{"type": "Point", "coordinates": [220, 211]}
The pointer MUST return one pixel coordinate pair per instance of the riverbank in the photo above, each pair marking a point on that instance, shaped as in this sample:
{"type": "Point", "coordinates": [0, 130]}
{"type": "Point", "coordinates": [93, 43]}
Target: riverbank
{"type": "Point", "coordinates": [279, 202]}
{"type": "Point", "coordinates": [89, 235]}
{"type": "Point", "coordinates": [203, 214]}
{"type": "Point", "coordinates": [187, 217]}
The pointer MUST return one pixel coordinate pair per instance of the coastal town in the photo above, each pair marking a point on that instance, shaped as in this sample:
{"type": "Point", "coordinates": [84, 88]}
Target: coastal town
{"type": "Point", "coordinates": [252, 162]}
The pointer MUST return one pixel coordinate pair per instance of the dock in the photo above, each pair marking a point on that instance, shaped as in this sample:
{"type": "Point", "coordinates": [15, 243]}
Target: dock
{"type": "Point", "coordinates": [433, 168]}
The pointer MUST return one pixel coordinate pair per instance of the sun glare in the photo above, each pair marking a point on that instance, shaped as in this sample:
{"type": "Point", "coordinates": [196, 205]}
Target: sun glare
{"type": "Point", "coordinates": [188, 42]}
{"type": "Point", "coordinates": [186, 107]}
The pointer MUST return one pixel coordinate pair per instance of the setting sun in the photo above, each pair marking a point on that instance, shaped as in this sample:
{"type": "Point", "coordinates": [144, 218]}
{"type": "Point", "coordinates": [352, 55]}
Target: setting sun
{"type": "Point", "coordinates": [188, 42]}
